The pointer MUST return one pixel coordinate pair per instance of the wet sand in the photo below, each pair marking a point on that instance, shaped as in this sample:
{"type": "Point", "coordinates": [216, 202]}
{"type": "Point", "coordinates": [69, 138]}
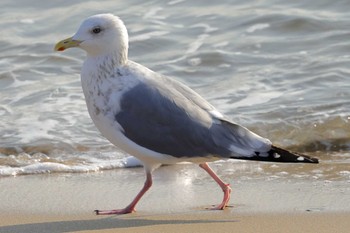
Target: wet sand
{"type": "Point", "coordinates": [177, 202]}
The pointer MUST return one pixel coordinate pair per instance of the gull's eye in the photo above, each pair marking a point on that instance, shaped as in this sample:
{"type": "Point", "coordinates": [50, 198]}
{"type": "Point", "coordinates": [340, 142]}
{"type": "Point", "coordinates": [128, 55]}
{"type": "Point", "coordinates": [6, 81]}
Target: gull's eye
{"type": "Point", "coordinates": [96, 30]}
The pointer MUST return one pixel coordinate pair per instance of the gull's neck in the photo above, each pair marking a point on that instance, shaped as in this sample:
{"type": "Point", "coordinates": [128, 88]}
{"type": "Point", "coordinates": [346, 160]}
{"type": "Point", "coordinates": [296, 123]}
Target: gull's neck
{"type": "Point", "coordinates": [104, 66]}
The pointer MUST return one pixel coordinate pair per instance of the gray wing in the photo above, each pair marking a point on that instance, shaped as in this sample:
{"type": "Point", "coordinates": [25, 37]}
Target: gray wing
{"type": "Point", "coordinates": [165, 116]}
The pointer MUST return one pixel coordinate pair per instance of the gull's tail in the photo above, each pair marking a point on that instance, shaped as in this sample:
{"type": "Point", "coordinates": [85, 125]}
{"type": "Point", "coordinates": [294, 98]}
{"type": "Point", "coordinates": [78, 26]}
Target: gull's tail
{"type": "Point", "coordinates": [277, 154]}
{"type": "Point", "coordinates": [246, 145]}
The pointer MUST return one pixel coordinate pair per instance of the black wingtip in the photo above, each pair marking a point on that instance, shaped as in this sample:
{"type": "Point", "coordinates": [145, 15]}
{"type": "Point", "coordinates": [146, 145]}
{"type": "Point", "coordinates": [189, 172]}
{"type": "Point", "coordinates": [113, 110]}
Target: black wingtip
{"type": "Point", "coordinates": [282, 155]}
{"type": "Point", "coordinates": [279, 155]}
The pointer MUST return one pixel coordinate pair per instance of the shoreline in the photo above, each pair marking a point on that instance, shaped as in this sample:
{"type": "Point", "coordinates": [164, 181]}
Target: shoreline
{"type": "Point", "coordinates": [176, 189]}
{"type": "Point", "coordinates": [177, 202]}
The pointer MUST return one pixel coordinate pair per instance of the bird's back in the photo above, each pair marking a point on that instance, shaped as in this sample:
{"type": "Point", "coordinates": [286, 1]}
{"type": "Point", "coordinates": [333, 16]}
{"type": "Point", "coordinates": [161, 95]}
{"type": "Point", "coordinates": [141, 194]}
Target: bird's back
{"type": "Point", "coordinates": [166, 116]}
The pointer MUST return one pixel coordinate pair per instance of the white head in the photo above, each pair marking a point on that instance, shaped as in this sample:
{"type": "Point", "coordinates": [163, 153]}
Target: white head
{"type": "Point", "coordinates": [100, 35]}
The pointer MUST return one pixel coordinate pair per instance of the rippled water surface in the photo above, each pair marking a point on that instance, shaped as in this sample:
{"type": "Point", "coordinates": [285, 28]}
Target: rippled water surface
{"type": "Point", "coordinates": [280, 68]}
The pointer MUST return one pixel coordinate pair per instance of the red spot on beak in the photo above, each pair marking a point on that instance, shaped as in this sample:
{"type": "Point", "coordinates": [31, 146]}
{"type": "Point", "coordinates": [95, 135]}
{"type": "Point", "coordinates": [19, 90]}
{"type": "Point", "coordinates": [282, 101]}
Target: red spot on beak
{"type": "Point", "coordinates": [60, 49]}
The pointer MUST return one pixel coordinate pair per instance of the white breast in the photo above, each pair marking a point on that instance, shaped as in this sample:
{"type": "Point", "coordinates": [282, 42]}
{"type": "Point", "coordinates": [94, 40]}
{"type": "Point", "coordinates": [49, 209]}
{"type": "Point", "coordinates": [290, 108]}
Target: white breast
{"type": "Point", "coordinates": [103, 98]}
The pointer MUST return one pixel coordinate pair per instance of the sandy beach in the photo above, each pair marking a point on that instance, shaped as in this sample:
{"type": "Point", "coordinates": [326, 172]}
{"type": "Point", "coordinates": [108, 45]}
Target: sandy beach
{"type": "Point", "coordinates": [217, 221]}
{"type": "Point", "coordinates": [177, 202]}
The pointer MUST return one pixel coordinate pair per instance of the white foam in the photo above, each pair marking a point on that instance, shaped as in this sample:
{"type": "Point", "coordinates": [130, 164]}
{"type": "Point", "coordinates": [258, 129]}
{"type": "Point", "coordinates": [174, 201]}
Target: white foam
{"type": "Point", "coordinates": [24, 164]}
{"type": "Point", "coordinates": [256, 27]}
{"type": "Point", "coordinates": [153, 13]}
{"type": "Point", "coordinates": [195, 45]}
{"type": "Point", "coordinates": [207, 28]}
{"type": "Point", "coordinates": [27, 21]}
{"type": "Point", "coordinates": [148, 35]}
{"type": "Point", "coordinates": [257, 98]}
{"type": "Point", "coordinates": [174, 2]}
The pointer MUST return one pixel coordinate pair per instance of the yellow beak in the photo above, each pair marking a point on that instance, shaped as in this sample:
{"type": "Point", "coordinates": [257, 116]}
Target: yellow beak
{"type": "Point", "coordinates": [66, 44]}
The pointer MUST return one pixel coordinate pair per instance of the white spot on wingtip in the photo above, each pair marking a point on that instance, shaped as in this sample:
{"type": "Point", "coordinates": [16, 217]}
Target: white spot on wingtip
{"type": "Point", "coordinates": [300, 158]}
{"type": "Point", "coordinates": [276, 155]}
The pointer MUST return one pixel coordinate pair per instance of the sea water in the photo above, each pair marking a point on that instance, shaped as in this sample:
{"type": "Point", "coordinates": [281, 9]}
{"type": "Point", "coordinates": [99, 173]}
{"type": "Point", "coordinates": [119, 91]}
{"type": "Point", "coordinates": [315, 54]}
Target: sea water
{"type": "Point", "coordinates": [279, 68]}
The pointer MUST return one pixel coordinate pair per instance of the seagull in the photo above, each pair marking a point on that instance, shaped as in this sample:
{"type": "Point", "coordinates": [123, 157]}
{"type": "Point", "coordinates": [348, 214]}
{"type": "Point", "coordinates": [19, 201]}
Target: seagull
{"type": "Point", "coordinates": [155, 118]}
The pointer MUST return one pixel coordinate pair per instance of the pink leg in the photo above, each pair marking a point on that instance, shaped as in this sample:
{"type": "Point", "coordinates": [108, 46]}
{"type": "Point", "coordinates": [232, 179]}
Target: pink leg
{"type": "Point", "coordinates": [131, 207]}
{"type": "Point", "coordinates": [225, 187]}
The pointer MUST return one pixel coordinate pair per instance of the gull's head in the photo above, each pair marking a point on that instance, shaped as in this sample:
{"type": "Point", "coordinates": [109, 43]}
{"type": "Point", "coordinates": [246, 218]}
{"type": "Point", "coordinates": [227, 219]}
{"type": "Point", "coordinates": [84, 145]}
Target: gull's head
{"type": "Point", "coordinates": [99, 35]}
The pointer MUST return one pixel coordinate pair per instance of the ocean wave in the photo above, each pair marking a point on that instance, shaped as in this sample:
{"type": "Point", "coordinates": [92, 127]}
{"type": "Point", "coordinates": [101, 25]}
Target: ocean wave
{"type": "Point", "coordinates": [40, 163]}
{"type": "Point", "coordinates": [279, 69]}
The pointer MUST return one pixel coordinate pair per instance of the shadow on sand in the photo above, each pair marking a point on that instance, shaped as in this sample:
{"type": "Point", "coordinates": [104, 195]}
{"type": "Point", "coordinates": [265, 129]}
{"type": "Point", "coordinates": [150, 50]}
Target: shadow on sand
{"type": "Point", "coordinates": [96, 224]}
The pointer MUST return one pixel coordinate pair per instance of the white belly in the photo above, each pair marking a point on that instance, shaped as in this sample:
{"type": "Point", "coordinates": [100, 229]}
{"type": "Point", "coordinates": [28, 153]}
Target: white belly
{"type": "Point", "coordinates": [102, 110]}
{"type": "Point", "coordinates": [103, 101]}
